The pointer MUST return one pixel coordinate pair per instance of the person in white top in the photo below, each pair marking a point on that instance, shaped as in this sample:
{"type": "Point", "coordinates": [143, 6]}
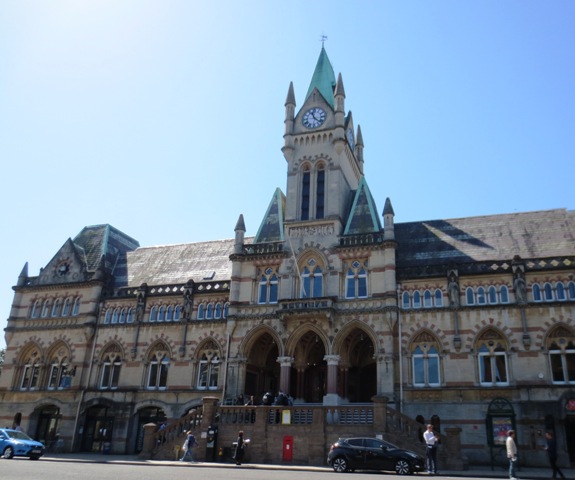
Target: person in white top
{"type": "Point", "coordinates": [511, 453]}
{"type": "Point", "coordinates": [431, 439]}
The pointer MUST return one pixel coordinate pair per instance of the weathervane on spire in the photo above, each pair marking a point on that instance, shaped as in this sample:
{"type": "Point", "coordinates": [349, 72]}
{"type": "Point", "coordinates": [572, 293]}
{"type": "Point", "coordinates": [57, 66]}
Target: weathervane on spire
{"type": "Point", "coordinates": [323, 39]}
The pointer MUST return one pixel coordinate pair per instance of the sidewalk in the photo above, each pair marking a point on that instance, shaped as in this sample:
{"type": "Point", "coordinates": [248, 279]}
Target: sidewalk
{"type": "Point", "coordinates": [477, 472]}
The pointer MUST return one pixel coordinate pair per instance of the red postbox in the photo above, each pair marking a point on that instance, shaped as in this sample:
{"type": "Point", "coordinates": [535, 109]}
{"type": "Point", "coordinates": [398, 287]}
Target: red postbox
{"type": "Point", "coordinates": [287, 449]}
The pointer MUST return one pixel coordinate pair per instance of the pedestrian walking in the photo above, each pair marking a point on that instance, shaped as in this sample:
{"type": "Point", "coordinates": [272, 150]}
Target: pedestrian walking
{"type": "Point", "coordinates": [551, 447]}
{"type": "Point", "coordinates": [431, 439]}
{"type": "Point", "coordinates": [188, 445]}
{"type": "Point", "coordinates": [511, 447]}
{"type": "Point", "coordinates": [239, 453]}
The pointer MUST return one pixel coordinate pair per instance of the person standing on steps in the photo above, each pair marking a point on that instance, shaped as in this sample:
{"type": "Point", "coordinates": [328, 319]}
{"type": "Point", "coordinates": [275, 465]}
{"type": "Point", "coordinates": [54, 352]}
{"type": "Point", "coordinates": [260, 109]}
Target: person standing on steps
{"type": "Point", "coordinates": [511, 447]}
{"type": "Point", "coordinates": [551, 447]}
{"type": "Point", "coordinates": [431, 439]}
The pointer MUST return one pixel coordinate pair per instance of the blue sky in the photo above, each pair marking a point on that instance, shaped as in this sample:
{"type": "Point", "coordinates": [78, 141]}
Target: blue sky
{"type": "Point", "coordinates": [165, 118]}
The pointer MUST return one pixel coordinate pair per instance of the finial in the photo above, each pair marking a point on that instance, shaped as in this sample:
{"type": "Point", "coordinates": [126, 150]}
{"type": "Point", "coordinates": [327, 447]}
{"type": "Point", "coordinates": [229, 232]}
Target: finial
{"type": "Point", "coordinates": [323, 39]}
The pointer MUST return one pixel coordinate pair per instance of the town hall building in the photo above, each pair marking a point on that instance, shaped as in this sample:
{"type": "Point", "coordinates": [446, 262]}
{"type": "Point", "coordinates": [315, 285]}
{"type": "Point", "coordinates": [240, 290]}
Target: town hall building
{"type": "Point", "coordinates": [464, 323]}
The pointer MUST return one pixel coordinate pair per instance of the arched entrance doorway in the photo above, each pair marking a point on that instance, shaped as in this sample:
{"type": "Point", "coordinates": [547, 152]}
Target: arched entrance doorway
{"type": "Point", "coordinates": [98, 429]}
{"type": "Point", "coordinates": [47, 428]}
{"type": "Point", "coordinates": [358, 369]}
{"type": "Point", "coordinates": [262, 368]}
{"type": "Point", "coordinates": [309, 377]}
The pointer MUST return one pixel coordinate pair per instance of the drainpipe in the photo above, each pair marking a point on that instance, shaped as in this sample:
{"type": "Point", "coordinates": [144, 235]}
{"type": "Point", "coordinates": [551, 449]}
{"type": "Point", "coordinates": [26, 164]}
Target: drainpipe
{"type": "Point", "coordinates": [400, 349]}
{"type": "Point", "coordinates": [90, 367]}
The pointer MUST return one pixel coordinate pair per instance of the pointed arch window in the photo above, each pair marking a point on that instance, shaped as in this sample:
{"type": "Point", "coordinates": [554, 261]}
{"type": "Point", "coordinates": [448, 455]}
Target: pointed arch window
{"type": "Point", "coordinates": [56, 307]}
{"type": "Point", "coordinates": [130, 317]}
{"type": "Point", "coordinates": [425, 361]}
{"type": "Point", "coordinates": [561, 347]}
{"type": "Point", "coordinates": [438, 298]}
{"type": "Point", "coordinates": [76, 307]}
{"type": "Point", "coordinates": [36, 309]}
{"type": "Point", "coordinates": [305, 193]}
{"type": "Point", "coordinates": [154, 314]}
{"type": "Point", "coordinates": [60, 377]}
{"type": "Point", "coordinates": [158, 371]}
{"type": "Point", "coordinates": [492, 360]}
{"type": "Point", "coordinates": [162, 314]}
{"type": "Point", "coordinates": [226, 308]}
{"type": "Point", "coordinates": [218, 312]}
{"type": "Point", "coordinates": [470, 296]}
{"type": "Point", "coordinates": [356, 281]}
{"type": "Point", "coordinates": [210, 311]}
{"type": "Point", "coordinates": [116, 315]}
{"type": "Point", "coordinates": [30, 371]}
{"type": "Point", "coordinates": [45, 308]}
{"type": "Point", "coordinates": [201, 311]}
{"type": "Point", "coordinates": [405, 300]}
{"type": "Point", "coordinates": [268, 287]}
{"type": "Point", "coordinates": [177, 313]}
{"type": "Point", "coordinates": [481, 297]}
{"type": "Point", "coordinates": [504, 294]}
{"type": "Point", "coordinates": [123, 314]}
{"type": "Point", "coordinates": [320, 192]}
{"type": "Point", "coordinates": [67, 308]}
{"type": "Point", "coordinates": [536, 289]}
{"type": "Point", "coordinates": [416, 299]}
{"type": "Point", "coordinates": [108, 316]}
{"type": "Point", "coordinates": [208, 370]}
{"type": "Point", "coordinates": [427, 299]}
{"type": "Point", "coordinates": [170, 313]}
{"type": "Point", "coordinates": [111, 367]}
{"type": "Point", "coordinates": [312, 281]}
{"type": "Point", "coordinates": [571, 290]}
{"type": "Point", "coordinates": [492, 295]}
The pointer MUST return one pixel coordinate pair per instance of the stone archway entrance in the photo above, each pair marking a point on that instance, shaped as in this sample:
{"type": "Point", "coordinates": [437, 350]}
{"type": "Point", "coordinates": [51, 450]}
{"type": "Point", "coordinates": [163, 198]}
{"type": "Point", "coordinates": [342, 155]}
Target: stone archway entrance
{"type": "Point", "coordinates": [48, 423]}
{"type": "Point", "coordinates": [309, 376]}
{"type": "Point", "coordinates": [262, 368]}
{"type": "Point", "coordinates": [358, 369]}
{"type": "Point", "coordinates": [98, 429]}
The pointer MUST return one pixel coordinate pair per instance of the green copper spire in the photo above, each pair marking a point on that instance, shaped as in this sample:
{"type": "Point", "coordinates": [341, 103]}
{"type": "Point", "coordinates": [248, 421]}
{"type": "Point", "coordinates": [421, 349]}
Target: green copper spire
{"type": "Point", "coordinates": [323, 78]}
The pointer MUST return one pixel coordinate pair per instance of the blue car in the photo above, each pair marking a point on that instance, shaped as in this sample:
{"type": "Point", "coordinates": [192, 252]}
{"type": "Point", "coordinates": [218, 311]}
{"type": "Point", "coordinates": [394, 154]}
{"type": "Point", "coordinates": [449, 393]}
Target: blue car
{"type": "Point", "coordinates": [17, 444]}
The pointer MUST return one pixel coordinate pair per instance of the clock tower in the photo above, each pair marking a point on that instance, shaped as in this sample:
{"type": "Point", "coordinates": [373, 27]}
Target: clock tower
{"type": "Point", "coordinates": [322, 150]}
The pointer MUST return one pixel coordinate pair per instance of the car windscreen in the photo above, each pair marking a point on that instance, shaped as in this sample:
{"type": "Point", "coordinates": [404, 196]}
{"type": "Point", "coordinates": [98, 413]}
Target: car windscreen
{"type": "Point", "coordinates": [18, 435]}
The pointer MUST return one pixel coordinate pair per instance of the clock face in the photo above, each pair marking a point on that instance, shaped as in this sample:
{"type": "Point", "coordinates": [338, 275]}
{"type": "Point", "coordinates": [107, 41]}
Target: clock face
{"type": "Point", "coordinates": [350, 139]}
{"type": "Point", "coordinates": [313, 118]}
{"type": "Point", "coordinates": [63, 268]}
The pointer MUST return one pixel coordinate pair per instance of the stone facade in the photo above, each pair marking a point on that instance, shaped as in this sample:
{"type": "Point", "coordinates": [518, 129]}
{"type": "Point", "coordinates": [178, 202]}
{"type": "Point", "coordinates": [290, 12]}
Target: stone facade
{"type": "Point", "coordinates": [330, 302]}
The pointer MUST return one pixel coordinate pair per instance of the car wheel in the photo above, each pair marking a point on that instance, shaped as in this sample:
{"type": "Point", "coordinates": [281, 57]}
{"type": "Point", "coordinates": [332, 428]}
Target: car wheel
{"type": "Point", "coordinates": [8, 452]}
{"type": "Point", "coordinates": [339, 465]}
{"type": "Point", "coordinates": [402, 467]}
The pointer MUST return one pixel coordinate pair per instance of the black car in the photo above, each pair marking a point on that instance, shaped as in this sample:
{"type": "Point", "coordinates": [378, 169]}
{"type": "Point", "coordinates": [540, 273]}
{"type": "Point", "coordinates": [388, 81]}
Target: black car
{"type": "Point", "coordinates": [364, 453]}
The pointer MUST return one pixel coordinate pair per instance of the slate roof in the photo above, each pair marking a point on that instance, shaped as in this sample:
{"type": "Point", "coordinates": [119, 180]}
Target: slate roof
{"type": "Point", "coordinates": [530, 235]}
{"type": "Point", "coordinates": [363, 217]}
{"type": "Point", "coordinates": [174, 264]}
{"type": "Point", "coordinates": [105, 241]}
{"type": "Point", "coordinates": [272, 226]}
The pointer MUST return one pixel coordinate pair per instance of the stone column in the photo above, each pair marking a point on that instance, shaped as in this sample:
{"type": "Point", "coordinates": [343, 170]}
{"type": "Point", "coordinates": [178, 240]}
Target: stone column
{"type": "Point", "coordinates": [149, 440]}
{"type": "Point", "coordinates": [332, 398]}
{"type": "Point", "coordinates": [285, 370]}
{"type": "Point", "coordinates": [380, 413]}
{"type": "Point", "coordinates": [451, 456]}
